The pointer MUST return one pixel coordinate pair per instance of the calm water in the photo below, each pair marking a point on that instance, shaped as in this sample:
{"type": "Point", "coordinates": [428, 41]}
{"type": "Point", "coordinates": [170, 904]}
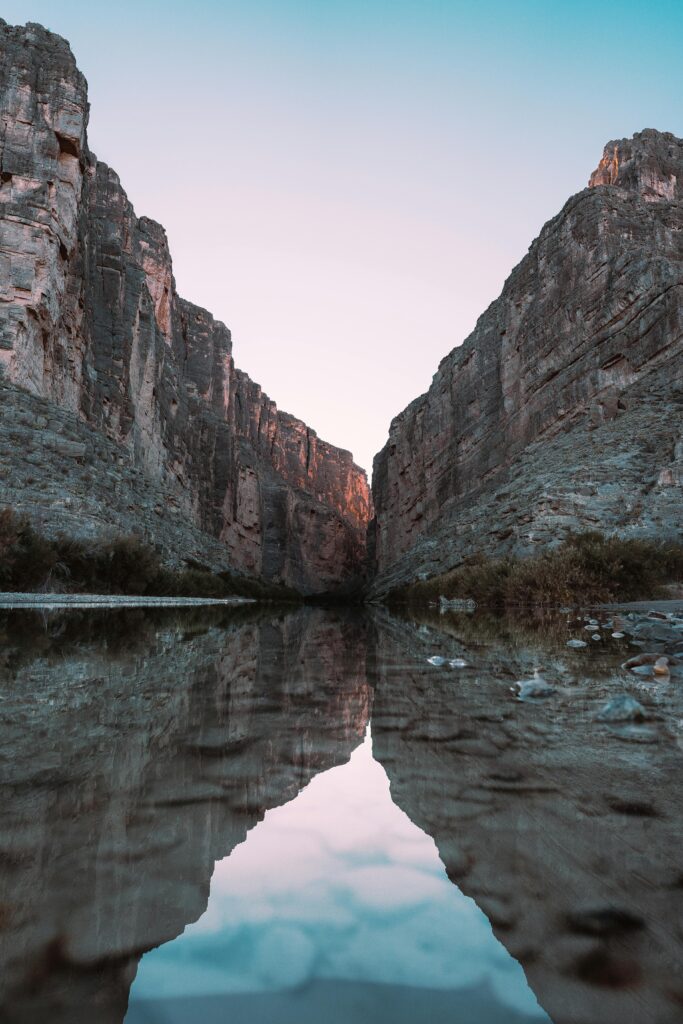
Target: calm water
{"type": "Point", "coordinates": [213, 816]}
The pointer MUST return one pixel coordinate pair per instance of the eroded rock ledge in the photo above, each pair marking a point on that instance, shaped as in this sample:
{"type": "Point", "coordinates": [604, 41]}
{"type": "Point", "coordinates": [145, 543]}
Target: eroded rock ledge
{"type": "Point", "coordinates": [563, 409]}
{"type": "Point", "coordinates": [121, 408]}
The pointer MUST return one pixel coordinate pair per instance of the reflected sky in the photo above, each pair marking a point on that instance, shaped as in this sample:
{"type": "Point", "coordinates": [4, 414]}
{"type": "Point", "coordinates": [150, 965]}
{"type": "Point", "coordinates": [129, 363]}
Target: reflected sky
{"type": "Point", "coordinates": [338, 884]}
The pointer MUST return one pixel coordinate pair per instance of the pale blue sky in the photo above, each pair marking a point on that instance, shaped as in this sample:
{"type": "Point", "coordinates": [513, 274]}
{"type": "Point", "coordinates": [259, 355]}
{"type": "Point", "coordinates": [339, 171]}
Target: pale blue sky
{"type": "Point", "coordinates": [347, 185]}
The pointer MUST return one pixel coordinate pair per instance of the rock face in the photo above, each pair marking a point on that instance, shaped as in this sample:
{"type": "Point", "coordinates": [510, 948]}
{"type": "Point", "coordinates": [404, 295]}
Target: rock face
{"type": "Point", "coordinates": [134, 388]}
{"type": "Point", "coordinates": [563, 409]}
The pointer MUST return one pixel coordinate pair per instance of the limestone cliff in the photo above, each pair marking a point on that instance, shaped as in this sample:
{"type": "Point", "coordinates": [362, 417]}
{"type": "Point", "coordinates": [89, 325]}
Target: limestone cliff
{"type": "Point", "coordinates": [121, 406]}
{"type": "Point", "coordinates": [563, 409]}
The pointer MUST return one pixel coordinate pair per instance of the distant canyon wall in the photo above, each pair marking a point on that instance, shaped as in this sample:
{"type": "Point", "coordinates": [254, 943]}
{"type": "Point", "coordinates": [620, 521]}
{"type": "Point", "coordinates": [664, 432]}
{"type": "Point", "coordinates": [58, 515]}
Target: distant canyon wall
{"type": "Point", "coordinates": [133, 388]}
{"type": "Point", "coordinates": [564, 408]}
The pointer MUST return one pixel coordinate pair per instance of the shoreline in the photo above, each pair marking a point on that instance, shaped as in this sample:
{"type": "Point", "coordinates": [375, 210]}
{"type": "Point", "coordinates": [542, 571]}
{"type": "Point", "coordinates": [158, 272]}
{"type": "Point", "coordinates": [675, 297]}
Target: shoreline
{"type": "Point", "coordinates": [21, 600]}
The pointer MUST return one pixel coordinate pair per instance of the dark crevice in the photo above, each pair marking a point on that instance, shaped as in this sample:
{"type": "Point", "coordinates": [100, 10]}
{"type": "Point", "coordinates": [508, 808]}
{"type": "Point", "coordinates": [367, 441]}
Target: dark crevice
{"type": "Point", "coordinates": [67, 146]}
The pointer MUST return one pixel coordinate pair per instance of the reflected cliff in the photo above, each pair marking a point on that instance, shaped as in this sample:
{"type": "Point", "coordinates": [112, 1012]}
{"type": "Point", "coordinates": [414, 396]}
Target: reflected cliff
{"type": "Point", "coordinates": [565, 829]}
{"type": "Point", "coordinates": [129, 766]}
{"type": "Point", "coordinates": [316, 781]}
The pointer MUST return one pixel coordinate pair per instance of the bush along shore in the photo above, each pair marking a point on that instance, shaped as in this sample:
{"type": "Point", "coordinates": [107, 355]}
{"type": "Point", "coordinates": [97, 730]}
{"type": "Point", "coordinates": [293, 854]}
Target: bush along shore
{"type": "Point", "coordinates": [124, 565]}
{"type": "Point", "coordinates": [587, 568]}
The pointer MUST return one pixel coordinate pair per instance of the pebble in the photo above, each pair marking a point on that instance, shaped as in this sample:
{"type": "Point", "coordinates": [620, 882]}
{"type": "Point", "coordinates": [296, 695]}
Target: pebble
{"type": "Point", "coordinates": [457, 663]}
{"type": "Point", "coordinates": [617, 636]}
{"type": "Point", "coordinates": [623, 708]}
{"type": "Point", "coordinates": [437, 660]}
{"type": "Point", "coordinates": [576, 643]}
{"type": "Point", "coordinates": [643, 670]}
{"type": "Point", "coordinates": [532, 689]}
{"type": "Point", "coordinates": [596, 636]}
{"type": "Point", "coordinates": [648, 665]}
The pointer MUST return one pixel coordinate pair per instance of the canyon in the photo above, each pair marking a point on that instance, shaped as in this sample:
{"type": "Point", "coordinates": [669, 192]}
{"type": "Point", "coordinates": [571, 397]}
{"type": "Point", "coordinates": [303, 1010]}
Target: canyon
{"type": "Point", "coordinates": [142, 747]}
{"type": "Point", "coordinates": [122, 411]}
{"type": "Point", "coordinates": [121, 407]}
{"type": "Point", "coordinates": [563, 410]}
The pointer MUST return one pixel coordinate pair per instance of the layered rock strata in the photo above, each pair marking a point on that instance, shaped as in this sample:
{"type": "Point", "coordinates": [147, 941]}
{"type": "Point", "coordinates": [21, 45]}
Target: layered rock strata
{"type": "Point", "coordinates": [564, 408]}
{"type": "Point", "coordinates": [137, 387]}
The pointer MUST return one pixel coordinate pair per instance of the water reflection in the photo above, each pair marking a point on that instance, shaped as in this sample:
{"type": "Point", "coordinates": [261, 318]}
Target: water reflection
{"type": "Point", "coordinates": [337, 886]}
{"type": "Point", "coordinates": [139, 749]}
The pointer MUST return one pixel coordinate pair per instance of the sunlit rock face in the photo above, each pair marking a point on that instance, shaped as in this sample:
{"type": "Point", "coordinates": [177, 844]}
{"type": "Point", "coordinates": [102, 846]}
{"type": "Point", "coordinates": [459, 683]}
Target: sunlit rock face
{"type": "Point", "coordinates": [563, 408]}
{"type": "Point", "coordinates": [565, 829]}
{"type": "Point", "coordinates": [138, 750]}
{"type": "Point", "coordinates": [134, 387]}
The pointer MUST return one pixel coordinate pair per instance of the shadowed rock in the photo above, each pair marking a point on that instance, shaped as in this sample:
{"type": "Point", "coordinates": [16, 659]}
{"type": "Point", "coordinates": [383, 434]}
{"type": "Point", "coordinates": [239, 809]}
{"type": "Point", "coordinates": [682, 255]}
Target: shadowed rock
{"type": "Point", "coordinates": [562, 410]}
{"type": "Point", "coordinates": [130, 413]}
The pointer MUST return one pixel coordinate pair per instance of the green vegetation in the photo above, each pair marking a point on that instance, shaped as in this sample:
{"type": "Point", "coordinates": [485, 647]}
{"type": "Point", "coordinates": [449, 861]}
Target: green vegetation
{"type": "Point", "coordinates": [586, 568]}
{"type": "Point", "coordinates": [124, 565]}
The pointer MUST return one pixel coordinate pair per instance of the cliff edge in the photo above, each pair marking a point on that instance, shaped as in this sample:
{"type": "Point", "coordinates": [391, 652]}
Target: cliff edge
{"type": "Point", "coordinates": [121, 409]}
{"type": "Point", "coordinates": [563, 410]}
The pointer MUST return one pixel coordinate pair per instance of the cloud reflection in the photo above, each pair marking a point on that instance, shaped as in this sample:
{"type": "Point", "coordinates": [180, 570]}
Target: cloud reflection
{"type": "Point", "coordinates": [337, 884]}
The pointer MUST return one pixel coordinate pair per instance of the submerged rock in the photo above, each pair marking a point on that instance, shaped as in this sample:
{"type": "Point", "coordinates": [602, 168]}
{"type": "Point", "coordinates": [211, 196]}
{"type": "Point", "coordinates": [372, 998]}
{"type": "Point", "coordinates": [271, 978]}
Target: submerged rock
{"type": "Point", "coordinates": [623, 708]}
{"type": "Point", "coordinates": [653, 666]}
{"type": "Point", "coordinates": [636, 734]}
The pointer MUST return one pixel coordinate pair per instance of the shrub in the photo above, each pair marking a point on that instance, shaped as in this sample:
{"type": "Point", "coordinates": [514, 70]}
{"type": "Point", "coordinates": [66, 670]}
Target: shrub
{"type": "Point", "coordinates": [585, 568]}
{"type": "Point", "coordinates": [26, 559]}
{"type": "Point", "coordinates": [124, 565]}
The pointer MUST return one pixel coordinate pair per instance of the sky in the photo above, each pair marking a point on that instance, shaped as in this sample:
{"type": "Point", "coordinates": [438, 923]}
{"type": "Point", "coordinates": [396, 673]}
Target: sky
{"type": "Point", "coordinates": [348, 184]}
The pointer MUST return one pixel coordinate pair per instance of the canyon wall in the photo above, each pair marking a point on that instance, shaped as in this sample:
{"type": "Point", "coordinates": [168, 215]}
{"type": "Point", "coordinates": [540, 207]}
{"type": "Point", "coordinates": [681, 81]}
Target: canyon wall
{"type": "Point", "coordinates": [563, 410]}
{"type": "Point", "coordinates": [122, 409]}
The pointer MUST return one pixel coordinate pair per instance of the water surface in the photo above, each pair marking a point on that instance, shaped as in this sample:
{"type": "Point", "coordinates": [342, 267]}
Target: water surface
{"type": "Point", "coordinates": [241, 815]}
